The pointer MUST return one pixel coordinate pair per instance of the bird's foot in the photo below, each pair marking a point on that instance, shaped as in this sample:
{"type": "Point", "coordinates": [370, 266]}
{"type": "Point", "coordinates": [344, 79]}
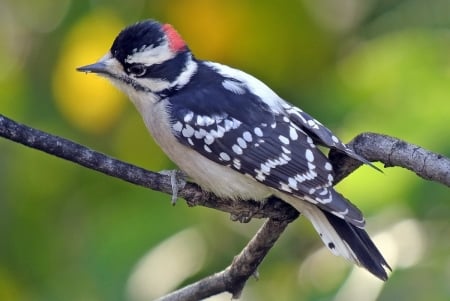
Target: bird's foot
{"type": "Point", "coordinates": [246, 216]}
{"type": "Point", "coordinates": [177, 181]}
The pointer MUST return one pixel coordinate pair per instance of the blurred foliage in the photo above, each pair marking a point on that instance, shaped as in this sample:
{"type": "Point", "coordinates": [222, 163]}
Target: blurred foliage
{"type": "Point", "coordinates": [67, 233]}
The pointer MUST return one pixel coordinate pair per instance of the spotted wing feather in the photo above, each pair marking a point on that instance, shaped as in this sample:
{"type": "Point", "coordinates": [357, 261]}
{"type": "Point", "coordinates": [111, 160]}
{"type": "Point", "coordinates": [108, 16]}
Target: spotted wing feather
{"type": "Point", "coordinates": [276, 152]}
{"type": "Point", "coordinates": [321, 134]}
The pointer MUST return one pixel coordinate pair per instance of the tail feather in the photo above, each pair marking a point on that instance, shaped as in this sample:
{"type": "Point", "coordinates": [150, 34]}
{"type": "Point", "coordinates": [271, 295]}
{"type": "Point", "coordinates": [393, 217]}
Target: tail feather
{"type": "Point", "coordinates": [346, 240]}
{"type": "Point", "coordinates": [366, 253]}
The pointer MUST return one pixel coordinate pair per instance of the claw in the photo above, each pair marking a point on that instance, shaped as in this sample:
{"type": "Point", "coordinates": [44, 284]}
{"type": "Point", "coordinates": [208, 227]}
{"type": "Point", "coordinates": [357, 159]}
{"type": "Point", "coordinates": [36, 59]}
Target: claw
{"type": "Point", "coordinates": [177, 180]}
{"type": "Point", "coordinates": [246, 216]}
{"type": "Point", "coordinates": [242, 217]}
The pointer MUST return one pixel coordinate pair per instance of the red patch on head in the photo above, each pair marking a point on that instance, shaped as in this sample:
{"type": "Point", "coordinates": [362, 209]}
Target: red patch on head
{"type": "Point", "coordinates": [176, 42]}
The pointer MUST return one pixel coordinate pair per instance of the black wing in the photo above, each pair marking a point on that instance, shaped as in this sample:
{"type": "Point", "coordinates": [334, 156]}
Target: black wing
{"type": "Point", "coordinates": [253, 140]}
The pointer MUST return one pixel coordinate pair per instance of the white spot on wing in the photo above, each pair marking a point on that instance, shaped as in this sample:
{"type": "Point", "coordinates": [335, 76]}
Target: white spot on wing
{"type": "Point", "coordinates": [247, 136]}
{"type": "Point", "coordinates": [236, 123]}
{"type": "Point", "coordinates": [236, 149]}
{"type": "Point", "coordinates": [188, 117]}
{"type": "Point", "coordinates": [208, 120]}
{"type": "Point", "coordinates": [233, 86]}
{"type": "Point", "coordinates": [283, 139]}
{"type": "Point", "coordinates": [200, 134]}
{"type": "Point", "coordinates": [285, 150]}
{"type": "Point", "coordinates": [330, 178]}
{"type": "Point", "coordinates": [326, 201]}
{"type": "Point", "coordinates": [220, 131]}
{"type": "Point", "coordinates": [341, 214]}
{"type": "Point", "coordinates": [260, 175]}
{"type": "Point", "coordinates": [293, 133]}
{"type": "Point", "coordinates": [300, 178]}
{"type": "Point", "coordinates": [309, 155]}
{"type": "Point", "coordinates": [209, 139]}
{"type": "Point", "coordinates": [237, 163]}
{"type": "Point", "coordinates": [200, 121]}
{"type": "Point", "coordinates": [323, 191]}
{"type": "Point", "coordinates": [213, 133]}
{"type": "Point", "coordinates": [265, 168]}
{"type": "Point", "coordinates": [224, 156]}
{"type": "Point", "coordinates": [292, 183]}
{"type": "Point", "coordinates": [242, 142]}
{"type": "Point", "coordinates": [285, 187]}
{"type": "Point", "coordinates": [178, 126]}
{"type": "Point", "coordinates": [258, 132]}
{"type": "Point", "coordinates": [312, 123]}
{"type": "Point", "coordinates": [228, 124]}
{"type": "Point", "coordinates": [188, 131]}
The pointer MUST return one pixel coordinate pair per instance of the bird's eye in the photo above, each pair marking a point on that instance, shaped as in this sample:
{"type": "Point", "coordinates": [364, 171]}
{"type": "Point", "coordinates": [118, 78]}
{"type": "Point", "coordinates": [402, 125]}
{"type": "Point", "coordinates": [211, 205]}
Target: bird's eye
{"type": "Point", "coordinates": [137, 70]}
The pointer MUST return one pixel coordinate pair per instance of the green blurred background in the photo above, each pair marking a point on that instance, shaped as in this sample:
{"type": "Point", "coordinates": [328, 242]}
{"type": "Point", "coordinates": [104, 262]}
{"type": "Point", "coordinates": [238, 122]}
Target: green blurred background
{"type": "Point", "coordinates": [68, 233]}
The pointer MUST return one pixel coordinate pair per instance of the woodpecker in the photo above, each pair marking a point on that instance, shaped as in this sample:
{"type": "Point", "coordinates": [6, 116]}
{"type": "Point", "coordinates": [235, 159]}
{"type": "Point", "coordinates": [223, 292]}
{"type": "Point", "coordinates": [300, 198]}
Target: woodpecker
{"type": "Point", "coordinates": [234, 136]}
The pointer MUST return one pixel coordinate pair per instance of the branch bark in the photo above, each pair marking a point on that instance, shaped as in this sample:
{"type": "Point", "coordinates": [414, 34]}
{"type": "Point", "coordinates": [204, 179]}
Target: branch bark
{"type": "Point", "coordinates": [375, 147]}
{"type": "Point", "coordinates": [233, 278]}
{"type": "Point", "coordinates": [393, 152]}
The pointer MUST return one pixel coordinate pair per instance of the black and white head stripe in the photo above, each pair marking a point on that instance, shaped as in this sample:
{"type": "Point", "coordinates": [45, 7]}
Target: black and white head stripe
{"type": "Point", "coordinates": [153, 57]}
{"type": "Point", "coordinates": [138, 38]}
{"type": "Point", "coordinates": [260, 143]}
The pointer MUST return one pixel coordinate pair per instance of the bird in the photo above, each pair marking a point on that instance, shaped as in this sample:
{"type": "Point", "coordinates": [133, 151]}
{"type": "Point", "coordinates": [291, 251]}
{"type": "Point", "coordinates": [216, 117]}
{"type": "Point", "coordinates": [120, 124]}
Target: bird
{"type": "Point", "coordinates": [234, 136]}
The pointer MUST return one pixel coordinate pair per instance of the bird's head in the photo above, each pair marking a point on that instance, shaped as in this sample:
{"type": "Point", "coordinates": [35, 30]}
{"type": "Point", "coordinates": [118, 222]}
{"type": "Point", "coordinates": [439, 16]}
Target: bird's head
{"type": "Point", "coordinates": [147, 57]}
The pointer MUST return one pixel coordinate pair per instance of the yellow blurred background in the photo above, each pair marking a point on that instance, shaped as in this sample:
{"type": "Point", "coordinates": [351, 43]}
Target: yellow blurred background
{"type": "Point", "coordinates": [67, 233]}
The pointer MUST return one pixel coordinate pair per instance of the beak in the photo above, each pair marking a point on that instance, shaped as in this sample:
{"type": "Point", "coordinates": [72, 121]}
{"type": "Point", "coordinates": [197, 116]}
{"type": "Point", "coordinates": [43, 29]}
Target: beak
{"type": "Point", "coordinates": [99, 67]}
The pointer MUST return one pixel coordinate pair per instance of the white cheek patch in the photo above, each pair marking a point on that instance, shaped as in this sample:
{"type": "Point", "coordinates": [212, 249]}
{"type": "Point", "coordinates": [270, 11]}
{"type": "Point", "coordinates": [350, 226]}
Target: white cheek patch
{"type": "Point", "coordinates": [151, 55]}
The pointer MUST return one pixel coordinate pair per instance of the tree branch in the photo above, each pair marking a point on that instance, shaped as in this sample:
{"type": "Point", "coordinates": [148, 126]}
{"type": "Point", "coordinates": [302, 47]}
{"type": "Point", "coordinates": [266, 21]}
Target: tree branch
{"type": "Point", "coordinates": [374, 147]}
{"type": "Point", "coordinates": [91, 159]}
{"type": "Point", "coordinates": [393, 152]}
{"type": "Point", "coordinates": [233, 278]}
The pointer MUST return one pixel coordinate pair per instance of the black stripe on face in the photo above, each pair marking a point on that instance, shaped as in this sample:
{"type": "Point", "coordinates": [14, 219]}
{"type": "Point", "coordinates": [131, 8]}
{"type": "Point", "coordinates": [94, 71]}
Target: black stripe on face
{"type": "Point", "coordinates": [168, 70]}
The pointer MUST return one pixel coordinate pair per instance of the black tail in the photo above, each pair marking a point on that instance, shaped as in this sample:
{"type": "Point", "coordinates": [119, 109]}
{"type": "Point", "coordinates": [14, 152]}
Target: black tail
{"type": "Point", "coordinates": [362, 246]}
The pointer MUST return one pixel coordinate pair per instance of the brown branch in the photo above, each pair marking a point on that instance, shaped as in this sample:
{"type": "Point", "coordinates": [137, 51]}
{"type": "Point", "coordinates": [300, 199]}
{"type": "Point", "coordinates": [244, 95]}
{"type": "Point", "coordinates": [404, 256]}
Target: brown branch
{"type": "Point", "coordinates": [233, 278]}
{"type": "Point", "coordinates": [375, 147]}
{"type": "Point", "coordinates": [393, 152]}
{"type": "Point", "coordinates": [91, 159]}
